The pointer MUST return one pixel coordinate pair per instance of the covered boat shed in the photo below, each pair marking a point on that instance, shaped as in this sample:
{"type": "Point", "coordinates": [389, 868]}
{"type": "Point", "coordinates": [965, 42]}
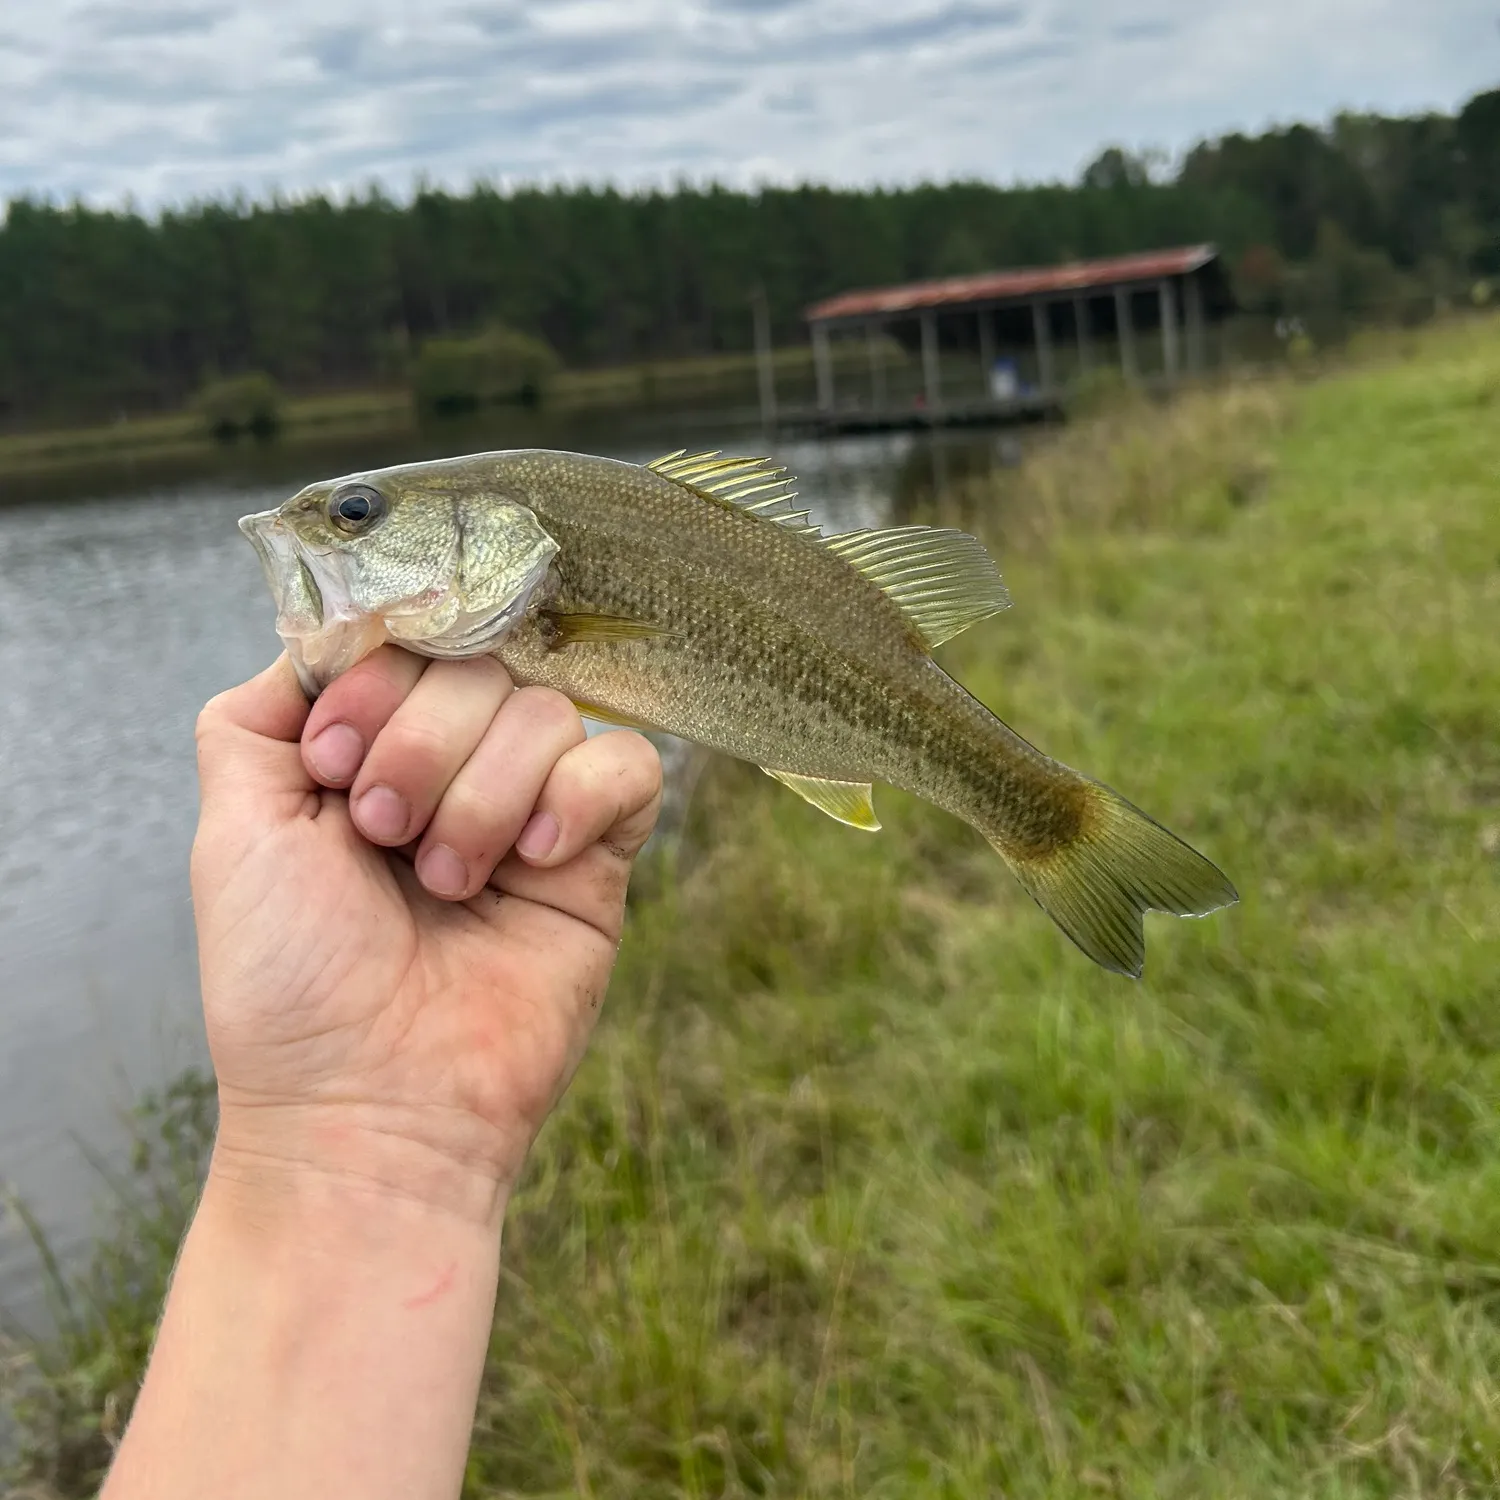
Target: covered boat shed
{"type": "Point", "coordinates": [1058, 314]}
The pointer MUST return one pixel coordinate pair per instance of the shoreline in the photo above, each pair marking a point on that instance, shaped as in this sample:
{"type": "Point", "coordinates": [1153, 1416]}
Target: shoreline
{"type": "Point", "coordinates": [177, 442]}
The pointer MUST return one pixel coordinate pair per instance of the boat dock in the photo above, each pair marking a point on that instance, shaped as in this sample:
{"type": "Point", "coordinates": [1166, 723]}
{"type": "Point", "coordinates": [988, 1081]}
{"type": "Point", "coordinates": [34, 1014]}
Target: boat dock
{"type": "Point", "coordinates": [1003, 347]}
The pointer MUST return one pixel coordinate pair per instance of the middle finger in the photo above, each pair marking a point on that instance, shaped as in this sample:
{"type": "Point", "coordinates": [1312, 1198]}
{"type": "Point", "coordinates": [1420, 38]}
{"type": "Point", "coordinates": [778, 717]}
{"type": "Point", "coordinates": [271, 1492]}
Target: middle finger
{"type": "Point", "coordinates": [423, 745]}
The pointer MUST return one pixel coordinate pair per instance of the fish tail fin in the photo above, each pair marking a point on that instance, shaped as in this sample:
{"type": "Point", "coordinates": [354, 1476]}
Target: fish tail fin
{"type": "Point", "coordinates": [1115, 865]}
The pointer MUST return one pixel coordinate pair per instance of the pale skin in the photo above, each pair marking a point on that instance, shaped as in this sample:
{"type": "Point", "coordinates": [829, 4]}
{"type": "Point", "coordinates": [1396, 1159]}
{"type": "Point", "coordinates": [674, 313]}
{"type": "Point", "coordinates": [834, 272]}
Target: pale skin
{"type": "Point", "coordinates": [408, 902]}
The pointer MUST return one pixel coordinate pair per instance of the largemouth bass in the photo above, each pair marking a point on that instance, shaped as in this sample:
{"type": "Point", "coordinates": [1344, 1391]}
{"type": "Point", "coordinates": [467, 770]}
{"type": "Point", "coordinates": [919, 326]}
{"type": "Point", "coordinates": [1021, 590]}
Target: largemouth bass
{"type": "Point", "coordinates": [692, 596]}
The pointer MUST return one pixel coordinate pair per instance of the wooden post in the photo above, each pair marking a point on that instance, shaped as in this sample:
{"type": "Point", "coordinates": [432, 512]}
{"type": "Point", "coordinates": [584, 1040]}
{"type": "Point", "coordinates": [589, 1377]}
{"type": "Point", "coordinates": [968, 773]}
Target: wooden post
{"type": "Point", "coordinates": [1125, 332]}
{"type": "Point", "coordinates": [765, 368]}
{"type": "Point", "coordinates": [1194, 297]}
{"type": "Point", "coordinates": [1081, 328]}
{"type": "Point", "coordinates": [1041, 325]}
{"type": "Point", "coordinates": [876, 357]}
{"type": "Point", "coordinates": [1167, 303]}
{"type": "Point", "coordinates": [932, 378]}
{"type": "Point", "coordinates": [986, 346]}
{"type": "Point", "coordinates": [822, 366]}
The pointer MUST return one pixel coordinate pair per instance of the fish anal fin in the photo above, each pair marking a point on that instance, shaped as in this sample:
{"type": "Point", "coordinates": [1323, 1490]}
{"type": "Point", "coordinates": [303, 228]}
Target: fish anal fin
{"type": "Point", "coordinates": [850, 802]}
{"type": "Point", "coordinates": [943, 581]}
{"type": "Point", "coordinates": [575, 629]}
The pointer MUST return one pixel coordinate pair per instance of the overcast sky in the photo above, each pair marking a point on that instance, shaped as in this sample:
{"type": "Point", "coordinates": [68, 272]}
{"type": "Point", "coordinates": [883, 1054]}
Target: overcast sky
{"type": "Point", "coordinates": [165, 100]}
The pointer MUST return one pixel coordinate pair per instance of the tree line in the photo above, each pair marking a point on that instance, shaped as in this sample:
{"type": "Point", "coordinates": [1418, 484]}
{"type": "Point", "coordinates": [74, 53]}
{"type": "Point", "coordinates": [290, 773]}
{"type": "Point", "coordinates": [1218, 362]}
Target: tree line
{"type": "Point", "coordinates": [104, 310]}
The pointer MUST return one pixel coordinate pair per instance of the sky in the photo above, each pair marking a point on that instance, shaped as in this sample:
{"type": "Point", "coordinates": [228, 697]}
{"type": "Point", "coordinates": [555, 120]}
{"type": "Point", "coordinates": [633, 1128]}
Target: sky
{"type": "Point", "coordinates": [159, 102]}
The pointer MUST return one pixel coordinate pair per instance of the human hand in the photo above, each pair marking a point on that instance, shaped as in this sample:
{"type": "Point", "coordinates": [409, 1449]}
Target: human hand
{"type": "Point", "coordinates": [398, 981]}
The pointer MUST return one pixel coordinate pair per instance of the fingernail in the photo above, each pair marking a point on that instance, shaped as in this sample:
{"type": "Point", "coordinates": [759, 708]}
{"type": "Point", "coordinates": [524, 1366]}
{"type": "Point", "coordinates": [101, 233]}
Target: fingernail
{"type": "Point", "coordinates": [539, 837]}
{"type": "Point", "coordinates": [382, 814]}
{"type": "Point", "coordinates": [336, 752]}
{"type": "Point", "coordinates": [442, 871]}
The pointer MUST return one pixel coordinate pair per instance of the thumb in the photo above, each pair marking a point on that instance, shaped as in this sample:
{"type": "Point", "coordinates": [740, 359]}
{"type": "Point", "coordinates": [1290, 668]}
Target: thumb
{"type": "Point", "coordinates": [248, 752]}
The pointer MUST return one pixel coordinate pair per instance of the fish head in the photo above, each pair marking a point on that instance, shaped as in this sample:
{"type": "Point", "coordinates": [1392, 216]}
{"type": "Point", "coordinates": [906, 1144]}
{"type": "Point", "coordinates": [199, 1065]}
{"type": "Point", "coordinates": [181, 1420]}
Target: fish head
{"type": "Point", "coordinates": [424, 556]}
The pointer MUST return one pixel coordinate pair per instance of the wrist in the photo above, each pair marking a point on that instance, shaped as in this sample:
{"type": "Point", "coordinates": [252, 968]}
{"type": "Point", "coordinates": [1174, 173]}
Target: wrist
{"type": "Point", "coordinates": [290, 1161]}
{"type": "Point", "coordinates": [323, 1336]}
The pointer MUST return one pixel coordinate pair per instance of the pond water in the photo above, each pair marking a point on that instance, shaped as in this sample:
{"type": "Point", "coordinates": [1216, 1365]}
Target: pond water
{"type": "Point", "coordinates": [121, 611]}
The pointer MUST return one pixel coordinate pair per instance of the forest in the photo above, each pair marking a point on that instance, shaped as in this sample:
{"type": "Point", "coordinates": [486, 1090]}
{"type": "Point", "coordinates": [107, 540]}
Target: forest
{"type": "Point", "coordinates": [105, 311]}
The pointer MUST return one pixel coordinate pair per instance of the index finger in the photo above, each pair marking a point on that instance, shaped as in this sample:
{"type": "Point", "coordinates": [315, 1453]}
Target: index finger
{"type": "Point", "coordinates": [353, 709]}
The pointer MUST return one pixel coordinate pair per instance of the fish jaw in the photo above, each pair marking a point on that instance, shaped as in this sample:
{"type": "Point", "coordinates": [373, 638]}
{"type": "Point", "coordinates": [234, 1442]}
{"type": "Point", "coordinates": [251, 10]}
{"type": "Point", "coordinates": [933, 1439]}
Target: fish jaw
{"type": "Point", "coordinates": [323, 633]}
{"type": "Point", "coordinates": [326, 631]}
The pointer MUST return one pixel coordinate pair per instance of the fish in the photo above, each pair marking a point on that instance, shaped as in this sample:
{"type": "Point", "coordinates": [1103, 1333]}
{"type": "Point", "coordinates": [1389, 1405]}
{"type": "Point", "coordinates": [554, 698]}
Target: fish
{"type": "Point", "coordinates": [694, 596]}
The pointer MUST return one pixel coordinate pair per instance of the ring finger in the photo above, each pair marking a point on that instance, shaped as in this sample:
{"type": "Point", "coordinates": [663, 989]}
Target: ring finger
{"type": "Point", "coordinates": [491, 799]}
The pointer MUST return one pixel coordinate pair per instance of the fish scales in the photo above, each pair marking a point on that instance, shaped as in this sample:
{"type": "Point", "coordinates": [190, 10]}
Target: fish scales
{"type": "Point", "coordinates": [779, 653]}
{"type": "Point", "coordinates": [681, 596]}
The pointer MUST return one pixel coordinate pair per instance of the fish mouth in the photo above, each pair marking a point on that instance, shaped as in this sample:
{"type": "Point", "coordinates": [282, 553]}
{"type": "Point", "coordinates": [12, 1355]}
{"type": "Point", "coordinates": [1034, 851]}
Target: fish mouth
{"type": "Point", "coordinates": [326, 632]}
{"type": "Point", "coordinates": [322, 633]}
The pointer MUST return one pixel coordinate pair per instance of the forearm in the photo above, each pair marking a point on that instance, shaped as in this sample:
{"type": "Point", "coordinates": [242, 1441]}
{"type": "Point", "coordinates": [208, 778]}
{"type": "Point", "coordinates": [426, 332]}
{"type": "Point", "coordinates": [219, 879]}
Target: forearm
{"type": "Point", "coordinates": [320, 1339]}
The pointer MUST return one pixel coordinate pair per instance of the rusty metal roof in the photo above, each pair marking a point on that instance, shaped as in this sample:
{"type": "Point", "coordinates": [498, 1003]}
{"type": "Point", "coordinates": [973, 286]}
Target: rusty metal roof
{"type": "Point", "coordinates": [1001, 286]}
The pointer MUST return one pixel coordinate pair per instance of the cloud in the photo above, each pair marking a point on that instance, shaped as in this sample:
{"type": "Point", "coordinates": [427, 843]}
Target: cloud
{"type": "Point", "coordinates": [163, 101]}
{"type": "Point", "coordinates": [115, 21]}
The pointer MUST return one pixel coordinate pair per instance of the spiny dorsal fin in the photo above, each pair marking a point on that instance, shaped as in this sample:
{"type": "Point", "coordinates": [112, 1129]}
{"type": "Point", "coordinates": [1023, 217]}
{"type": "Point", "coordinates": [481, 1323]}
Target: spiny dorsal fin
{"type": "Point", "coordinates": [851, 802]}
{"type": "Point", "coordinates": [756, 485]}
{"type": "Point", "coordinates": [943, 581]}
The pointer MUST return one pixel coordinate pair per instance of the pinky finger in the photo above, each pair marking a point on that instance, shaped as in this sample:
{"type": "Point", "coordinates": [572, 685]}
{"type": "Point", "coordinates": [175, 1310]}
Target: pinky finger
{"type": "Point", "coordinates": [606, 790]}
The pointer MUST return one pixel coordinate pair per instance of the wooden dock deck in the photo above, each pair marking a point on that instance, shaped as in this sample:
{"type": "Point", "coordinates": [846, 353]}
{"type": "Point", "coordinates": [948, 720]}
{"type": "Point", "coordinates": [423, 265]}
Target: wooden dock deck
{"type": "Point", "coordinates": [1035, 406]}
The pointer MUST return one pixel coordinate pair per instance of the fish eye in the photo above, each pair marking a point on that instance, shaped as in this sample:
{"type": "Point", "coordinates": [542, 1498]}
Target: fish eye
{"type": "Point", "coordinates": [355, 508]}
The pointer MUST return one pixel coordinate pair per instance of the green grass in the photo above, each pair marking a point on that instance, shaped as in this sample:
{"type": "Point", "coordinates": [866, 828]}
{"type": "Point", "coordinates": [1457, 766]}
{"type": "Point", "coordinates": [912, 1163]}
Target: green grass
{"type": "Point", "coordinates": [873, 1186]}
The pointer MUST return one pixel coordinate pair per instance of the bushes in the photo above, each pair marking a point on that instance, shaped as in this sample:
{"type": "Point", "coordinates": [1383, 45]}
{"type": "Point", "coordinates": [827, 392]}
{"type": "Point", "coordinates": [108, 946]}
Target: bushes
{"type": "Point", "coordinates": [248, 403]}
{"type": "Point", "coordinates": [498, 365]}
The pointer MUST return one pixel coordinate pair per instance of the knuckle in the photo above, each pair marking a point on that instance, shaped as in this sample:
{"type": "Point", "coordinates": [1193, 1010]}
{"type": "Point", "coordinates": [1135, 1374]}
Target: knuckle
{"type": "Point", "coordinates": [422, 738]}
{"type": "Point", "coordinates": [548, 709]}
{"type": "Point", "coordinates": [212, 717]}
{"type": "Point", "coordinates": [472, 812]}
{"type": "Point", "coordinates": [643, 762]}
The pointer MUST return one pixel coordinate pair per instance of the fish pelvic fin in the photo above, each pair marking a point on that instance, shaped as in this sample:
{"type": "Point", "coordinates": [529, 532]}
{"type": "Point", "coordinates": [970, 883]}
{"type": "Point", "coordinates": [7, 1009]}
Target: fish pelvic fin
{"type": "Point", "coordinates": [851, 802]}
{"type": "Point", "coordinates": [613, 716]}
{"type": "Point", "coordinates": [1118, 864]}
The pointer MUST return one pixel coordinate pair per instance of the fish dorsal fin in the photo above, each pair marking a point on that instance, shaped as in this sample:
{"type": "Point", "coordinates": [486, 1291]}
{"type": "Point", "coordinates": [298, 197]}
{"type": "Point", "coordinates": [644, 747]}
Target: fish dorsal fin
{"type": "Point", "coordinates": [851, 802]}
{"type": "Point", "coordinates": [943, 581]}
{"type": "Point", "coordinates": [755, 485]}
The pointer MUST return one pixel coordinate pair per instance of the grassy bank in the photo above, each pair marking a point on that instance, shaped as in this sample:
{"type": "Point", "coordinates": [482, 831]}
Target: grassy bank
{"type": "Point", "coordinates": [182, 437]}
{"type": "Point", "coordinates": [872, 1186]}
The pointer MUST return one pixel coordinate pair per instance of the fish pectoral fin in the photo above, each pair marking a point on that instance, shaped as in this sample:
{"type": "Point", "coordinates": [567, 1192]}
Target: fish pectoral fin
{"type": "Point", "coordinates": [574, 629]}
{"type": "Point", "coordinates": [943, 581]}
{"type": "Point", "coordinates": [850, 802]}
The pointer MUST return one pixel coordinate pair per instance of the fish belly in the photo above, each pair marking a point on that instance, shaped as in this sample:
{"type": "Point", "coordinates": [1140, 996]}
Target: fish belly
{"type": "Point", "coordinates": [813, 721]}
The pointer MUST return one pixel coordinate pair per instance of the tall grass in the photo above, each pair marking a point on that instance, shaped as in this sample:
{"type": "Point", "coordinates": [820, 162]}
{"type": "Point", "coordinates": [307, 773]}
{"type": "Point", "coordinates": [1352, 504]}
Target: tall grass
{"type": "Point", "coordinates": [873, 1186]}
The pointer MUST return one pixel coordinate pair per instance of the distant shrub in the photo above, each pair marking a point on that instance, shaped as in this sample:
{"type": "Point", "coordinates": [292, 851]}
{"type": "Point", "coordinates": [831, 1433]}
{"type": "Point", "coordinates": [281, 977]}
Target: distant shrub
{"type": "Point", "coordinates": [248, 403]}
{"type": "Point", "coordinates": [498, 365]}
{"type": "Point", "coordinates": [1099, 389]}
